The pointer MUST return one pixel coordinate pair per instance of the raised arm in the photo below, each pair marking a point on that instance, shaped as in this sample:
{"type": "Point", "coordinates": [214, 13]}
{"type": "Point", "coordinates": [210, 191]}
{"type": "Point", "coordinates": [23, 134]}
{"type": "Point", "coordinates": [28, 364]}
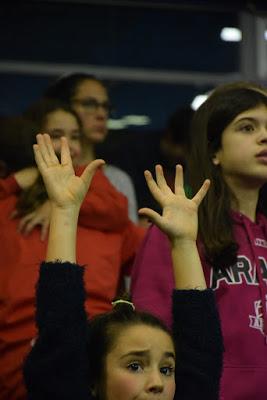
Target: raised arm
{"type": "Point", "coordinates": [56, 368]}
{"type": "Point", "coordinates": [66, 192]}
{"type": "Point", "coordinates": [196, 325]}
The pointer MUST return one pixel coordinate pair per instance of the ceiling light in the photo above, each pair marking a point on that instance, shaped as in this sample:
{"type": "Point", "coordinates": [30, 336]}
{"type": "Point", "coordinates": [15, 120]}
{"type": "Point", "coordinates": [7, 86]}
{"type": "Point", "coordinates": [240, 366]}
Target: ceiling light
{"type": "Point", "coordinates": [231, 34]}
{"type": "Point", "coordinates": [198, 100]}
{"type": "Point", "coordinates": [121, 123]}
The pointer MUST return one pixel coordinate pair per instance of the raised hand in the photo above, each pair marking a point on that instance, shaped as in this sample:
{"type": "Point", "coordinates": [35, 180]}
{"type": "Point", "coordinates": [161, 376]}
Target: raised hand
{"type": "Point", "coordinates": [179, 218]}
{"type": "Point", "coordinates": [64, 188]}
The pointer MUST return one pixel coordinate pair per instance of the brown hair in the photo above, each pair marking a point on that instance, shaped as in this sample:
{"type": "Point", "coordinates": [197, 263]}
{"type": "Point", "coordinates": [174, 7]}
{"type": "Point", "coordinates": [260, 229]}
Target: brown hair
{"type": "Point", "coordinates": [103, 333]}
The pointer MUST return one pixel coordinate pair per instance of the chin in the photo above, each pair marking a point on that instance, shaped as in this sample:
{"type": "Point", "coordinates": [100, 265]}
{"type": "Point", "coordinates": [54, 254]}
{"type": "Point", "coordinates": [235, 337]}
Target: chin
{"type": "Point", "coordinates": [97, 137]}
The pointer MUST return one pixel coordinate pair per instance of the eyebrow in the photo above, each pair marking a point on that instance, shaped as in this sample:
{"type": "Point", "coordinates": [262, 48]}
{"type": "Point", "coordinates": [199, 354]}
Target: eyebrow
{"type": "Point", "coordinates": [145, 353]}
{"type": "Point", "coordinates": [246, 118]}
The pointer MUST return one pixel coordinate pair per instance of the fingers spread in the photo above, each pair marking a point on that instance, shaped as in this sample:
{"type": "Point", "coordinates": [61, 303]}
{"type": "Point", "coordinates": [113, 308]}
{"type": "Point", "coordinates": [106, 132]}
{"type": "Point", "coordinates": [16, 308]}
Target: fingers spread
{"type": "Point", "coordinates": [46, 151]}
{"type": "Point", "coordinates": [90, 170]}
{"type": "Point", "coordinates": [24, 221]}
{"type": "Point", "coordinates": [161, 181]}
{"type": "Point", "coordinates": [202, 192]}
{"type": "Point", "coordinates": [44, 230]}
{"type": "Point", "coordinates": [153, 187]}
{"type": "Point", "coordinates": [65, 152]}
{"type": "Point", "coordinates": [150, 214]}
{"type": "Point", "coordinates": [39, 158]}
{"type": "Point", "coordinates": [179, 178]}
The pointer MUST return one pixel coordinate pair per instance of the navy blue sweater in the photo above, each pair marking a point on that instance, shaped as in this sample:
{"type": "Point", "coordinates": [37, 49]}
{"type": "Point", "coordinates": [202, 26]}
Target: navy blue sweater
{"type": "Point", "coordinates": [57, 366]}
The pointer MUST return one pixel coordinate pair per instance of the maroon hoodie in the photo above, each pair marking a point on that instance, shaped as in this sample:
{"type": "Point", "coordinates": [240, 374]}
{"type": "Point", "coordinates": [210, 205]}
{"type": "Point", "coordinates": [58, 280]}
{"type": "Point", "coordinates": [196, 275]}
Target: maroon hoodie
{"type": "Point", "coordinates": [240, 292]}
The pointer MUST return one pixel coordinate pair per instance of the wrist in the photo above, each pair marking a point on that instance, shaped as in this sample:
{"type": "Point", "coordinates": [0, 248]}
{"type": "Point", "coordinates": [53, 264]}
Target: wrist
{"type": "Point", "coordinates": [69, 214]}
{"type": "Point", "coordinates": [62, 234]}
{"type": "Point", "coordinates": [182, 243]}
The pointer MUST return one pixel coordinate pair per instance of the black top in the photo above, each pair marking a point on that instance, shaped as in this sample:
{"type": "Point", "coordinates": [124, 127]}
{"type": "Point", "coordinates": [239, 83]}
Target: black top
{"type": "Point", "coordinates": [56, 368]}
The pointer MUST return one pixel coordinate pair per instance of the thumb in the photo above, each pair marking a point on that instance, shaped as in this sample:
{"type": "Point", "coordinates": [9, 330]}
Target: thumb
{"type": "Point", "coordinates": [90, 170]}
{"type": "Point", "coordinates": [151, 215]}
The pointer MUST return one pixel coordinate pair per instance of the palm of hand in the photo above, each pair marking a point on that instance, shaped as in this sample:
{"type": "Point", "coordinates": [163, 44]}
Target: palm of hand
{"type": "Point", "coordinates": [63, 187]}
{"type": "Point", "coordinates": [179, 216]}
{"type": "Point", "coordinates": [179, 219]}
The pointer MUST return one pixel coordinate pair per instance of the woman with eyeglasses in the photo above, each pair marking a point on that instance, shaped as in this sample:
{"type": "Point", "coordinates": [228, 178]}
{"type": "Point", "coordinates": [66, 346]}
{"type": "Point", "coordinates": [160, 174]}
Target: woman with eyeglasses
{"type": "Point", "coordinates": [88, 96]}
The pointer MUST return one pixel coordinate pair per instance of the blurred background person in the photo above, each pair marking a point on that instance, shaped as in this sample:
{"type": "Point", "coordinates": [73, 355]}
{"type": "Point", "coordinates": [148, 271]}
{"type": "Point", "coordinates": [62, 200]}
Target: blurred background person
{"type": "Point", "coordinates": [107, 239]}
{"type": "Point", "coordinates": [88, 96]}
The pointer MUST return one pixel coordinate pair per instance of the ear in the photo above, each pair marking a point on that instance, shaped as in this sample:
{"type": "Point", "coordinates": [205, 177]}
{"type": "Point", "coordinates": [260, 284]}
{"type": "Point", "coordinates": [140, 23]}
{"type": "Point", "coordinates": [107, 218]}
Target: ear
{"type": "Point", "coordinates": [215, 159]}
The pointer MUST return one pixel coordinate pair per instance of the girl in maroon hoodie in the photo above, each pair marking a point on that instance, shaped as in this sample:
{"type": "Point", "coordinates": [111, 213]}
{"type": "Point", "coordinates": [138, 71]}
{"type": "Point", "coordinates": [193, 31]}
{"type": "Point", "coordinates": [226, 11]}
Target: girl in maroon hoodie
{"type": "Point", "coordinates": [229, 146]}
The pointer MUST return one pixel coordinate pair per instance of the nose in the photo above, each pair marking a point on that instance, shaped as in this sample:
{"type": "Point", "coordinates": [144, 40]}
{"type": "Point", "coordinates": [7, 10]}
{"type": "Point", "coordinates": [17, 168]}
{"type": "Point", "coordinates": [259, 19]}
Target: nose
{"type": "Point", "coordinates": [263, 135]}
{"type": "Point", "coordinates": [101, 112]}
{"type": "Point", "coordinates": [154, 382]}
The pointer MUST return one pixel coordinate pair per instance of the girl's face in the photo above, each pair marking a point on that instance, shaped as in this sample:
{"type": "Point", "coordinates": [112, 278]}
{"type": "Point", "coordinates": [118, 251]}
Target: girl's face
{"type": "Point", "coordinates": [141, 365]}
{"type": "Point", "coordinates": [62, 123]}
{"type": "Point", "coordinates": [92, 105]}
{"type": "Point", "coordinates": [243, 153]}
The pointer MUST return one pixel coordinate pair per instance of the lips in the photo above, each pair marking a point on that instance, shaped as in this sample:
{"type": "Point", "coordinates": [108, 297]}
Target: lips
{"type": "Point", "coordinates": [263, 153]}
{"type": "Point", "coordinates": [100, 128]}
{"type": "Point", "coordinates": [262, 157]}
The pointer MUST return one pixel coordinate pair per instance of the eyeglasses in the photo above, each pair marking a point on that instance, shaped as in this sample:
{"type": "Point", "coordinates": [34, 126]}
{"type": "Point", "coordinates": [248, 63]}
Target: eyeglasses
{"type": "Point", "coordinates": [91, 104]}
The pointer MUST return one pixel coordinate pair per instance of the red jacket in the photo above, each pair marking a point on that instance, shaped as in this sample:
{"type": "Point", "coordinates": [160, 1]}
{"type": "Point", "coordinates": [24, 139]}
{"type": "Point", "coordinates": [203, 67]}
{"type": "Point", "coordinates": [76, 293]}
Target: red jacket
{"type": "Point", "coordinates": [107, 242]}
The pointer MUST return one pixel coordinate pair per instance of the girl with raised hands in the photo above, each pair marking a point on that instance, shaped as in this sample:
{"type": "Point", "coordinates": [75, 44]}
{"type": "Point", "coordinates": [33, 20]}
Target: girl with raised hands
{"type": "Point", "coordinates": [123, 354]}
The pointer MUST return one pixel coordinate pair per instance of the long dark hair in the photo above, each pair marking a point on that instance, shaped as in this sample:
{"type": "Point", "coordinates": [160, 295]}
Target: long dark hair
{"type": "Point", "coordinates": [208, 124]}
{"type": "Point", "coordinates": [65, 88]}
{"type": "Point", "coordinates": [103, 331]}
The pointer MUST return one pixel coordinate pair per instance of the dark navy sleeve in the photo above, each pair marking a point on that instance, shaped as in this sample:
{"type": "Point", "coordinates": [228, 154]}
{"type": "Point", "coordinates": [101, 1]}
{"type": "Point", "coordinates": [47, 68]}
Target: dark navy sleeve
{"type": "Point", "coordinates": [199, 345]}
{"type": "Point", "coordinates": [57, 366]}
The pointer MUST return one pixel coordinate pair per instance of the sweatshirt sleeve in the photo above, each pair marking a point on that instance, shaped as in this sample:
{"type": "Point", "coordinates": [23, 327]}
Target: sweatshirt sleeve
{"type": "Point", "coordinates": [199, 345]}
{"type": "Point", "coordinates": [56, 368]}
{"type": "Point", "coordinates": [132, 238]}
{"type": "Point", "coordinates": [152, 279]}
{"type": "Point", "coordinates": [104, 208]}
{"type": "Point", "coordinates": [8, 186]}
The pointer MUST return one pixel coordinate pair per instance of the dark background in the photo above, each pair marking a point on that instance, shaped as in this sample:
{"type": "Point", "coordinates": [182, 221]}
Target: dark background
{"type": "Point", "coordinates": [154, 56]}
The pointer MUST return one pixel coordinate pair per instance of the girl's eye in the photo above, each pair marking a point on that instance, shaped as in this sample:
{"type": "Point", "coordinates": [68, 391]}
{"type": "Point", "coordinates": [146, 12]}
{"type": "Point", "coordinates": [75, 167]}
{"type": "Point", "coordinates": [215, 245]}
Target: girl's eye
{"type": "Point", "coordinates": [168, 371]}
{"type": "Point", "coordinates": [75, 137]}
{"type": "Point", "coordinates": [55, 135]}
{"type": "Point", "coordinates": [135, 367]}
{"type": "Point", "coordinates": [247, 128]}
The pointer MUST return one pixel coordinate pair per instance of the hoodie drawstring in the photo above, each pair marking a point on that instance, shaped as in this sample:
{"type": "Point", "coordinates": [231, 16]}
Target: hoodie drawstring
{"type": "Point", "coordinates": [262, 285]}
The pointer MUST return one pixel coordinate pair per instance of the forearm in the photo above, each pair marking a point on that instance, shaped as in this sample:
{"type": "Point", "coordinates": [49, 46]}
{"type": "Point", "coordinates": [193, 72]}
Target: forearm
{"type": "Point", "coordinates": [60, 349]}
{"type": "Point", "coordinates": [187, 268]}
{"type": "Point", "coordinates": [199, 345]}
{"type": "Point", "coordinates": [62, 234]}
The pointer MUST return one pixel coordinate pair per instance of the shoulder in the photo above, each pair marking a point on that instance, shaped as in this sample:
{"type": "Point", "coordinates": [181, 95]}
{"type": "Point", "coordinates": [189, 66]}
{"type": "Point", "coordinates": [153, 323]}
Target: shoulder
{"type": "Point", "coordinates": [115, 172]}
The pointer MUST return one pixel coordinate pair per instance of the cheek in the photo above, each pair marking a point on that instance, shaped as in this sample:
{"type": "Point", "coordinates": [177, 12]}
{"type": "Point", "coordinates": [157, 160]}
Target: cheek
{"type": "Point", "coordinates": [170, 389]}
{"type": "Point", "coordinates": [77, 148]}
{"type": "Point", "coordinates": [124, 386]}
{"type": "Point", "coordinates": [86, 119]}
